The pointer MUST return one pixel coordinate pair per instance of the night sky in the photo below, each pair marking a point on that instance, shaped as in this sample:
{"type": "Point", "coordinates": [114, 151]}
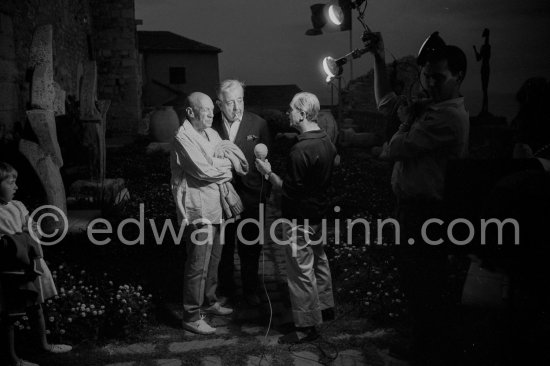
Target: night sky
{"type": "Point", "coordinates": [263, 42]}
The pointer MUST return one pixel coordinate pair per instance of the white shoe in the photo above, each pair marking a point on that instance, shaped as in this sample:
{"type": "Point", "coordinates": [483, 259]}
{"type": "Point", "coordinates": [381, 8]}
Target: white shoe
{"type": "Point", "coordinates": [199, 326]}
{"type": "Point", "coordinates": [217, 309]}
{"type": "Point", "coordinates": [22, 362]}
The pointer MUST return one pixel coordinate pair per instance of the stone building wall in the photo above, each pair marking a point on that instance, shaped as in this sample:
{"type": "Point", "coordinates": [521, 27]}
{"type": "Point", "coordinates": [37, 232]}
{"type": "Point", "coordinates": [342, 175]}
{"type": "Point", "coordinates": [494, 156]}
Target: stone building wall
{"type": "Point", "coordinates": [9, 97]}
{"type": "Point", "coordinates": [82, 29]}
{"type": "Point", "coordinates": [119, 74]}
{"type": "Point", "coordinates": [18, 20]}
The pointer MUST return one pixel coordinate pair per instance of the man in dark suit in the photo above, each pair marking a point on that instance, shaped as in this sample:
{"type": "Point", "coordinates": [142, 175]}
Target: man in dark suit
{"type": "Point", "coordinates": [246, 130]}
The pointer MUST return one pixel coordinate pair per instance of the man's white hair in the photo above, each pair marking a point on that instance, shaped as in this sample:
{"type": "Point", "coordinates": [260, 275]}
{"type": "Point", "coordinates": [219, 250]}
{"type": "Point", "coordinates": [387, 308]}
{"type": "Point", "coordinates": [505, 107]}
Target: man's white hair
{"type": "Point", "coordinates": [307, 103]}
{"type": "Point", "coordinates": [226, 84]}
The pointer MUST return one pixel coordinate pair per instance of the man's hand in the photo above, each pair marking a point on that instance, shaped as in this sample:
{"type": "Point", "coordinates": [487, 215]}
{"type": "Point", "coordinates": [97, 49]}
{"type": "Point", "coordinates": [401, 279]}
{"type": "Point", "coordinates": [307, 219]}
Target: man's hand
{"type": "Point", "coordinates": [263, 166]}
{"type": "Point", "coordinates": [373, 43]}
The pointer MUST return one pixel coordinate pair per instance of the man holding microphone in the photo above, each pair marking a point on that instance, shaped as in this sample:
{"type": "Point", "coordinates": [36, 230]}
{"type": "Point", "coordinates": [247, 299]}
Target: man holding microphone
{"type": "Point", "coordinates": [304, 204]}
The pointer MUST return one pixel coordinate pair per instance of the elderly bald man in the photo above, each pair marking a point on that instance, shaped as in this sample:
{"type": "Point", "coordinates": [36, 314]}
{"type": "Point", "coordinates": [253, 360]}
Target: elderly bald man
{"type": "Point", "coordinates": [195, 183]}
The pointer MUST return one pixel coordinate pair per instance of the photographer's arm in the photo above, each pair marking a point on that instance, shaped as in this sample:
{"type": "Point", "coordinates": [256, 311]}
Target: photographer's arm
{"type": "Point", "coordinates": [375, 44]}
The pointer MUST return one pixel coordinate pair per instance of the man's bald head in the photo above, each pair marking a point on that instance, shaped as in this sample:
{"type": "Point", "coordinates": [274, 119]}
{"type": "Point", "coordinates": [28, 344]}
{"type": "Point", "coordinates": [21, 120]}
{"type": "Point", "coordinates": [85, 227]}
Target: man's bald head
{"type": "Point", "coordinates": [200, 110]}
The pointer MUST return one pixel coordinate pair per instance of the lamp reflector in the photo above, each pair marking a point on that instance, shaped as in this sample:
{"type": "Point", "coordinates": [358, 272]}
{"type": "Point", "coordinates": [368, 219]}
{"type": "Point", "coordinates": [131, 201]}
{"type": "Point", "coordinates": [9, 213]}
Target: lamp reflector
{"type": "Point", "coordinates": [329, 66]}
{"type": "Point", "coordinates": [335, 14]}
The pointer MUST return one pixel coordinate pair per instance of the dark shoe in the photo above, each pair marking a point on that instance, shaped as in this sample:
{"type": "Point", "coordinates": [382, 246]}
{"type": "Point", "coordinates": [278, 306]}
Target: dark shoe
{"type": "Point", "coordinates": [300, 335]}
{"type": "Point", "coordinates": [224, 300]}
{"type": "Point", "coordinates": [328, 314]}
{"type": "Point", "coordinates": [391, 359]}
{"type": "Point", "coordinates": [252, 300]}
{"type": "Point", "coordinates": [22, 362]}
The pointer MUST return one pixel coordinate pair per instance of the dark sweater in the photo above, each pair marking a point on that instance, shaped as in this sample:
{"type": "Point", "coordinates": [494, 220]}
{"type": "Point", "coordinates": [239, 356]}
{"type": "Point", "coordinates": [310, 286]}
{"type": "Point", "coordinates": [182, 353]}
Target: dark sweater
{"type": "Point", "coordinates": [309, 169]}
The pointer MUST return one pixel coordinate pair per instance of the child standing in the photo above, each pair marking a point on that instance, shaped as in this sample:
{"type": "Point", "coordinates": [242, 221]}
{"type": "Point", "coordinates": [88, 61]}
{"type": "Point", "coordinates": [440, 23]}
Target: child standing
{"type": "Point", "coordinates": [14, 218]}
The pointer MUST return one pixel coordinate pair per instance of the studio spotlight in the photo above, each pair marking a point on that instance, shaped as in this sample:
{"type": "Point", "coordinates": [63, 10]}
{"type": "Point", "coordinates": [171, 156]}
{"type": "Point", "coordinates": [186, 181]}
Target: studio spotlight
{"type": "Point", "coordinates": [333, 67]}
{"type": "Point", "coordinates": [335, 14]}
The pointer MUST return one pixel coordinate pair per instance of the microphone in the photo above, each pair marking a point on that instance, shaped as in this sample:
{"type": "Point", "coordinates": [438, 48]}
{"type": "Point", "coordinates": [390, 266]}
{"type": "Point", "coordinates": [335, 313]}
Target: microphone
{"type": "Point", "coordinates": [260, 151]}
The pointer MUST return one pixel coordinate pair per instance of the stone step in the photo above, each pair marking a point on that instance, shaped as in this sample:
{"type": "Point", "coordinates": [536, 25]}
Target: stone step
{"type": "Point", "coordinates": [167, 352]}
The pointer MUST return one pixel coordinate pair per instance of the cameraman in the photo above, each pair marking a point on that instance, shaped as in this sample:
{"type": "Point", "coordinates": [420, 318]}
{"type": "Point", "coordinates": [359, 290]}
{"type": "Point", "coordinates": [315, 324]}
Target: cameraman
{"type": "Point", "coordinates": [432, 132]}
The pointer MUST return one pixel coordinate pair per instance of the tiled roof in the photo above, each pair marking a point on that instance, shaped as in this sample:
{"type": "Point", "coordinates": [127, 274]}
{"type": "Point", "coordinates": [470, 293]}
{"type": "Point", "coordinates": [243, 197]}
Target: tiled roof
{"type": "Point", "coordinates": [167, 41]}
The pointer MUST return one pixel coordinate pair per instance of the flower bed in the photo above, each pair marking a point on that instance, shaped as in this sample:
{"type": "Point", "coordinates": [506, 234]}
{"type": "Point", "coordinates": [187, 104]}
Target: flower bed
{"type": "Point", "coordinates": [92, 307]}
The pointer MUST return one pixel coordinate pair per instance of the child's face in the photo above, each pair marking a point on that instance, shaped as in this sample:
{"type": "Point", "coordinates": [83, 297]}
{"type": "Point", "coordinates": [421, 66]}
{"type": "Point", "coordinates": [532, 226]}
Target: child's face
{"type": "Point", "coordinates": [8, 189]}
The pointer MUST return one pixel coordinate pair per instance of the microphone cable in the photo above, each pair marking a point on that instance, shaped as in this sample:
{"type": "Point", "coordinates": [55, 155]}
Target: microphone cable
{"type": "Point", "coordinates": [263, 356]}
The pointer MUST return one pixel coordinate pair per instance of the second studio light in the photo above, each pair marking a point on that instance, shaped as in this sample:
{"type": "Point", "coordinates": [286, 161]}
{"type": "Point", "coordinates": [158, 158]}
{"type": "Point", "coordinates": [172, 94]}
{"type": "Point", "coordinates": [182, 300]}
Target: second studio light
{"type": "Point", "coordinates": [333, 67]}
